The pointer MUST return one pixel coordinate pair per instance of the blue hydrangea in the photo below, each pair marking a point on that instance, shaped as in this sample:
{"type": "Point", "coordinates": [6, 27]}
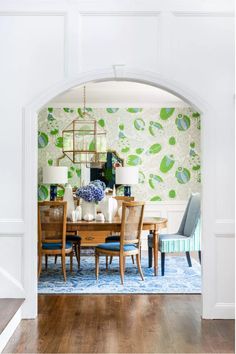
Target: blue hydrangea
{"type": "Point", "coordinates": [99, 184]}
{"type": "Point", "coordinates": [90, 193]}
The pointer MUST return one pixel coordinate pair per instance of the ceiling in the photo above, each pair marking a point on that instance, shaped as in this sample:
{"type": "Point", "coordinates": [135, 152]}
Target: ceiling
{"type": "Point", "coordinates": [118, 93]}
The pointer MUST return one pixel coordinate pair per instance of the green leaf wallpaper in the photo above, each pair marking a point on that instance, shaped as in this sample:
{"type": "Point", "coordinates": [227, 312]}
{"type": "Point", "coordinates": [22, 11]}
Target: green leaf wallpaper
{"type": "Point", "coordinates": [164, 143]}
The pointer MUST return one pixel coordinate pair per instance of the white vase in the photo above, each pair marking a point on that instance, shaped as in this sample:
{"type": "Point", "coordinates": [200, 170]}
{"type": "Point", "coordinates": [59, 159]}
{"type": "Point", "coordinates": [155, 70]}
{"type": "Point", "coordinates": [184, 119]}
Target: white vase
{"type": "Point", "coordinates": [68, 197]}
{"type": "Point", "coordinates": [88, 208]}
{"type": "Point", "coordinates": [108, 207]}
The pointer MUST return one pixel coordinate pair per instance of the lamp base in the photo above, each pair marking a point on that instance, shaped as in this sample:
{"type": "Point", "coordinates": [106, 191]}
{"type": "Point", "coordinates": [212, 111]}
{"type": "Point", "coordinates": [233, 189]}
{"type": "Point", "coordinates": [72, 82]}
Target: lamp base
{"type": "Point", "coordinates": [53, 192]}
{"type": "Point", "coordinates": [127, 191]}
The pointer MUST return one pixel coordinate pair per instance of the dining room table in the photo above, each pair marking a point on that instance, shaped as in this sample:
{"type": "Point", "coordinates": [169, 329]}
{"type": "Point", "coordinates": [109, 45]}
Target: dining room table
{"type": "Point", "coordinates": [152, 224]}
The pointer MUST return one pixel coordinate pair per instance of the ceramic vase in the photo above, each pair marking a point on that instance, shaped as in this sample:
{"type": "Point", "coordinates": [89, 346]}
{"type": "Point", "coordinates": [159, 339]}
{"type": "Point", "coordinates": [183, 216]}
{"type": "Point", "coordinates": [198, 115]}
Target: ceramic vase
{"type": "Point", "coordinates": [108, 207]}
{"type": "Point", "coordinates": [88, 208]}
{"type": "Point", "coordinates": [68, 197]}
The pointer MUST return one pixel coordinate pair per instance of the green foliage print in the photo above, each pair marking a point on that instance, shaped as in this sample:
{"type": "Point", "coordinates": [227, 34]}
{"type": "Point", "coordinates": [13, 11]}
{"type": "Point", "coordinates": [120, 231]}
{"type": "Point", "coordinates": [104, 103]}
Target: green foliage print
{"type": "Point", "coordinates": [155, 128]}
{"type": "Point", "coordinates": [42, 192]}
{"type": "Point", "coordinates": [182, 175]}
{"type": "Point", "coordinates": [167, 163]}
{"type": "Point", "coordinates": [42, 140]}
{"type": "Point", "coordinates": [112, 110]}
{"type": "Point", "coordinates": [59, 142]}
{"type": "Point", "coordinates": [134, 160]}
{"type": "Point", "coordinates": [166, 113]}
{"type": "Point", "coordinates": [134, 110]}
{"type": "Point", "coordinates": [156, 198]}
{"type": "Point", "coordinates": [154, 180]}
{"type": "Point", "coordinates": [172, 193]}
{"type": "Point", "coordinates": [155, 148]}
{"type": "Point", "coordinates": [182, 122]}
{"type": "Point", "coordinates": [172, 140]}
{"type": "Point", "coordinates": [101, 122]}
{"type": "Point", "coordinates": [139, 124]}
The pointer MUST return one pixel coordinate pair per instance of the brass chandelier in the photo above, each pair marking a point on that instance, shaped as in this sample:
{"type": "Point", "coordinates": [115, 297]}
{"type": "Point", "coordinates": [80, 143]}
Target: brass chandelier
{"type": "Point", "coordinates": [84, 141]}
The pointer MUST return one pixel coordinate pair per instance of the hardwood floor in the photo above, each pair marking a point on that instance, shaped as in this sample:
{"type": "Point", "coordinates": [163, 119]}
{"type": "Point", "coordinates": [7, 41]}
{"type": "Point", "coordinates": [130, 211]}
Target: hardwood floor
{"type": "Point", "coordinates": [8, 308]}
{"type": "Point", "coordinates": [122, 324]}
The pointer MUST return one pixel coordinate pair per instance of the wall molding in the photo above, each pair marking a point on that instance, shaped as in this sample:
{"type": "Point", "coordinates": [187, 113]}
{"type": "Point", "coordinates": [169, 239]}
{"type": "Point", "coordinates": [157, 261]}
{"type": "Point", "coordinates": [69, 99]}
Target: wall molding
{"type": "Point", "coordinates": [120, 13]}
{"type": "Point", "coordinates": [10, 329]}
{"type": "Point", "coordinates": [224, 310]}
{"type": "Point", "coordinates": [12, 227]}
{"type": "Point", "coordinates": [203, 13]}
{"type": "Point", "coordinates": [225, 227]}
{"type": "Point", "coordinates": [63, 14]}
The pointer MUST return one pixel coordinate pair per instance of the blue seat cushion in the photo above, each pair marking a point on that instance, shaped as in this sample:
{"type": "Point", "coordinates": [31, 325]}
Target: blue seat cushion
{"type": "Point", "coordinates": [73, 238]}
{"type": "Point", "coordinates": [115, 246]}
{"type": "Point", "coordinates": [56, 246]}
{"type": "Point", "coordinates": [175, 243]}
{"type": "Point", "coordinates": [115, 238]}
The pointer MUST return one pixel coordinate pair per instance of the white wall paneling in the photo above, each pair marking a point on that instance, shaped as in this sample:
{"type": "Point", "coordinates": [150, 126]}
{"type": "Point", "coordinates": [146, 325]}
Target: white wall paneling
{"type": "Point", "coordinates": [185, 47]}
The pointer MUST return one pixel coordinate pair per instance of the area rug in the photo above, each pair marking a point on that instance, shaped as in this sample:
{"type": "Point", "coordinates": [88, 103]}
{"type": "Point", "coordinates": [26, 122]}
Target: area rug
{"type": "Point", "coordinates": [178, 278]}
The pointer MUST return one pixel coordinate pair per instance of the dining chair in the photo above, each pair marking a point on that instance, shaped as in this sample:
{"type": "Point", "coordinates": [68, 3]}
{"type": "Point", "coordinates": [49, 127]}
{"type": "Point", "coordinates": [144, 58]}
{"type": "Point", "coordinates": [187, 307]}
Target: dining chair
{"type": "Point", "coordinates": [186, 239]}
{"type": "Point", "coordinates": [129, 242]}
{"type": "Point", "coordinates": [76, 241]}
{"type": "Point", "coordinates": [52, 233]}
{"type": "Point", "coordinates": [116, 238]}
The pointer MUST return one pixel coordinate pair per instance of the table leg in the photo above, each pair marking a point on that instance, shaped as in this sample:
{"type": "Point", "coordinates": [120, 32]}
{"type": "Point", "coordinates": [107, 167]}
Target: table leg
{"type": "Point", "coordinates": [155, 251]}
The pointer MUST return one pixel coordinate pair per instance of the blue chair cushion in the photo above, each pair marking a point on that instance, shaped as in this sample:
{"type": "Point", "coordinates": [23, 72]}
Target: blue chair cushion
{"type": "Point", "coordinates": [115, 246]}
{"type": "Point", "coordinates": [115, 238]}
{"type": "Point", "coordinates": [56, 246]}
{"type": "Point", "coordinates": [73, 238]}
{"type": "Point", "coordinates": [176, 243]}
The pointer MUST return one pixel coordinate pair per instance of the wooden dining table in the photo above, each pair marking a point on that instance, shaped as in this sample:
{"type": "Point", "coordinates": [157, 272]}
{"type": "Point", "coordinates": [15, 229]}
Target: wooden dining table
{"type": "Point", "coordinates": [152, 224]}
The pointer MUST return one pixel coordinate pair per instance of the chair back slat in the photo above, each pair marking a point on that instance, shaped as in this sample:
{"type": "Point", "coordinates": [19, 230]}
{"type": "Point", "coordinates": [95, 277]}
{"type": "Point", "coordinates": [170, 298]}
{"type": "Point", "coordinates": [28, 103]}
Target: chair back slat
{"type": "Point", "coordinates": [132, 222]}
{"type": "Point", "coordinates": [52, 222]}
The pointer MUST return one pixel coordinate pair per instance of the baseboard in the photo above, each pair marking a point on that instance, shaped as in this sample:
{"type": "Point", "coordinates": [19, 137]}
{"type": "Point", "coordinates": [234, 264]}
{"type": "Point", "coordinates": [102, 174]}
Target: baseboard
{"type": "Point", "coordinates": [9, 330]}
{"type": "Point", "coordinates": [224, 311]}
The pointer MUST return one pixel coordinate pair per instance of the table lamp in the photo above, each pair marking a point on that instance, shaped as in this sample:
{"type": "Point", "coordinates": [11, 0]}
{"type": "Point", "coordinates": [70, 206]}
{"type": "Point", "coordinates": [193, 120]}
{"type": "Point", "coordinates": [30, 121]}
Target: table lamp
{"type": "Point", "coordinates": [54, 175]}
{"type": "Point", "coordinates": [127, 176]}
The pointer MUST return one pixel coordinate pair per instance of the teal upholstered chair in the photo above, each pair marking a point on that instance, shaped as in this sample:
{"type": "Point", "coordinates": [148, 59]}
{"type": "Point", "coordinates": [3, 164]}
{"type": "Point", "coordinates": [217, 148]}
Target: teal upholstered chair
{"type": "Point", "coordinates": [187, 238]}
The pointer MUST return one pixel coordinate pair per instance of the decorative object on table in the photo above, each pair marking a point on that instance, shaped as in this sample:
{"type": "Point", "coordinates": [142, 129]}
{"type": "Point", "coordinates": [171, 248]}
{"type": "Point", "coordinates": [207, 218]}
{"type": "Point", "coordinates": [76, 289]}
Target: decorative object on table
{"type": "Point", "coordinates": [88, 217]}
{"type": "Point", "coordinates": [108, 207]}
{"type": "Point", "coordinates": [100, 217]}
{"type": "Point", "coordinates": [54, 175]}
{"type": "Point", "coordinates": [187, 237]}
{"type": "Point", "coordinates": [84, 140]}
{"type": "Point", "coordinates": [90, 195]}
{"type": "Point", "coordinates": [127, 176]}
{"type": "Point", "coordinates": [68, 197]}
{"type": "Point", "coordinates": [78, 213]}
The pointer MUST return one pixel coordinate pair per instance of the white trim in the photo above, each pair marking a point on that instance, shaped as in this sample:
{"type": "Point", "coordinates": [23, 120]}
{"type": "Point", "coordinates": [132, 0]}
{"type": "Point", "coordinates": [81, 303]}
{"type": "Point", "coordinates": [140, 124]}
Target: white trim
{"type": "Point", "coordinates": [224, 227]}
{"type": "Point", "coordinates": [121, 105]}
{"type": "Point", "coordinates": [224, 311]}
{"type": "Point", "coordinates": [13, 227]}
{"type": "Point", "coordinates": [10, 329]}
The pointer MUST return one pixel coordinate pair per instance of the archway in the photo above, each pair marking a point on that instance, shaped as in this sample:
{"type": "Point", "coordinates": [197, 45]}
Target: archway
{"type": "Point", "coordinates": [30, 160]}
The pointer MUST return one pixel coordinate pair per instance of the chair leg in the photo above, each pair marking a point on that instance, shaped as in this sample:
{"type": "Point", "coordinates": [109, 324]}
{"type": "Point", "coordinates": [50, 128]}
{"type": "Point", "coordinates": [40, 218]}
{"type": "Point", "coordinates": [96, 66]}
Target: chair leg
{"type": "Point", "coordinates": [124, 263]}
{"type": "Point", "coordinates": [63, 263]}
{"type": "Point", "coordinates": [106, 263]}
{"type": "Point", "coordinates": [149, 257]}
{"type": "Point", "coordinates": [71, 261]}
{"type": "Point", "coordinates": [97, 265]}
{"type": "Point", "coordinates": [132, 259]}
{"type": "Point", "coordinates": [139, 266]}
{"type": "Point", "coordinates": [78, 251]}
{"type": "Point", "coordinates": [111, 259]}
{"type": "Point", "coordinates": [162, 263]}
{"type": "Point", "coordinates": [121, 260]}
{"type": "Point", "coordinates": [200, 257]}
{"type": "Point", "coordinates": [55, 260]}
{"type": "Point", "coordinates": [46, 261]}
{"type": "Point", "coordinates": [39, 265]}
{"type": "Point", "coordinates": [188, 259]}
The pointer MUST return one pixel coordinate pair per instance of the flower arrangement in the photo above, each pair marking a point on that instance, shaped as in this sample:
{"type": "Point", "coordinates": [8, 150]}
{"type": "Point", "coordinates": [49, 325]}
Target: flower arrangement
{"type": "Point", "coordinates": [93, 192]}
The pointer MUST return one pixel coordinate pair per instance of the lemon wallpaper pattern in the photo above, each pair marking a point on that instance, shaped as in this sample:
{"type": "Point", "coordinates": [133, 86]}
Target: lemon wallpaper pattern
{"type": "Point", "coordinates": [164, 143]}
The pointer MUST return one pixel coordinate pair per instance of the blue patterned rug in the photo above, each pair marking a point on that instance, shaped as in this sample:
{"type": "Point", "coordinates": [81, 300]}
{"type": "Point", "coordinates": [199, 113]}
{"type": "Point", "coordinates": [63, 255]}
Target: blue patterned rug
{"type": "Point", "coordinates": [179, 278]}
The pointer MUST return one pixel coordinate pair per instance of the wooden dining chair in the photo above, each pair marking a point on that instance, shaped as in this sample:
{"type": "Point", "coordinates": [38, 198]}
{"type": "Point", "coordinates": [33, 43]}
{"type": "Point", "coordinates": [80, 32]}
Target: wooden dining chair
{"type": "Point", "coordinates": [130, 238]}
{"type": "Point", "coordinates": [116, 238]}
{"type": "Point", "coordinates": [52, 233]}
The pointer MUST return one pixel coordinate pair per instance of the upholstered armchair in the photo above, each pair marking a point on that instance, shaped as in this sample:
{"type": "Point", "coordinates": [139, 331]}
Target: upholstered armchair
{"type": "Point", "coordinates": [187, 238]}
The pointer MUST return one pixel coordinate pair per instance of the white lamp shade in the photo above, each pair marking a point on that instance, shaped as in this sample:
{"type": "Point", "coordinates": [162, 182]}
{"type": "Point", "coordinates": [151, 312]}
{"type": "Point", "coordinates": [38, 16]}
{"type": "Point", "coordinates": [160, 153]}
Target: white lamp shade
{"type": "Point", "coordinates": [127, 175]}
{"type": "Point", "coordinates": [55, 175]}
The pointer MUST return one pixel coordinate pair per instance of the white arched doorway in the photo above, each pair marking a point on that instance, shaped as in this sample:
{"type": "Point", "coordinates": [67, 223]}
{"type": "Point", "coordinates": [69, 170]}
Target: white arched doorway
{"type": "Point", "coordinates": [30, 171]}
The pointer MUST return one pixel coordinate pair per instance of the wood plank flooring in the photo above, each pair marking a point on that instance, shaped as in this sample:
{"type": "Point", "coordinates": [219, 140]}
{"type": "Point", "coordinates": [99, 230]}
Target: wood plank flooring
{"type": "Point", "coordinates": [8, 308]}
{"type": "Point", "coordinates": [122, 324]}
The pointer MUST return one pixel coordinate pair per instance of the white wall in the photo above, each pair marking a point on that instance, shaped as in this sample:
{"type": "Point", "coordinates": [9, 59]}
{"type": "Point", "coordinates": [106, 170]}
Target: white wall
{"type": "Point", "coordinates": [186, 46]}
